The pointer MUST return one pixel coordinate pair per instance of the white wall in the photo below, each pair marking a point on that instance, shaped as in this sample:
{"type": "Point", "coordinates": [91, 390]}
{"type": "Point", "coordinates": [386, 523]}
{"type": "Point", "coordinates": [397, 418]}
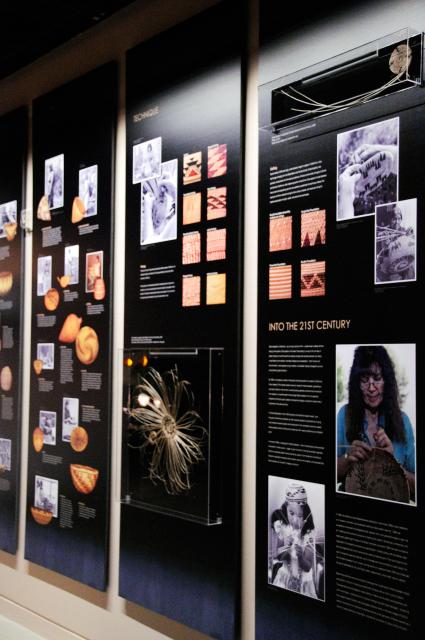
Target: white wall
{"type": "Point", "coordinates": [48, 603]}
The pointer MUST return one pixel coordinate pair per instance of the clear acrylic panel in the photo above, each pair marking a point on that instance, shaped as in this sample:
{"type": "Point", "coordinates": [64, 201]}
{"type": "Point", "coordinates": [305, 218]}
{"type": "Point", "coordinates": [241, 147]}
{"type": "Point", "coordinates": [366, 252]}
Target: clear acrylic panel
{"type": "Point", "coordinates": [172, 426]}
{"type": "Point", "coordinates": [391, 63]}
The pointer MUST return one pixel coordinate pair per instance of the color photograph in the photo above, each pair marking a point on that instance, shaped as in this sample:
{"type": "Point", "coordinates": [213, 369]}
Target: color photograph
{"type": "Point", "coordinates": [376, 421]}
{"type": "Point", "coordinates": [280, 231]}
{"type": "Point", "coordinates": [94, 269]}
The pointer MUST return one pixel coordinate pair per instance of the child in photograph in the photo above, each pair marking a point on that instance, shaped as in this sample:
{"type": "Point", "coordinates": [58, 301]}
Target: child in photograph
{"type": "Point", "coordinates": [150, 164]}
{"type": "Point", "coordinates": [295, 549]}
{"type": "Point", "coordinates": [94, 270]}
{"type": "Point", "coordinates": [159, 209]}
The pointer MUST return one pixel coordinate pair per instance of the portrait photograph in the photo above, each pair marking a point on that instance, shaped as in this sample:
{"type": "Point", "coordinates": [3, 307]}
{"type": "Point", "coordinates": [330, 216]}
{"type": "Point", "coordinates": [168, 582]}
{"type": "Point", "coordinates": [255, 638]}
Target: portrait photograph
{"type": "Point", "coordinates": [395, 242]}
{"type": "Point", "coordinates": [46, 494]}
{"type": "Point", "coordinates": [87, 189]}
{"type": "Point", "coordinates": [47, 423]}
{"type": "Point", "coordinates": [46, 353]}
{"type": "Point", "coordinates": [158, 215]}
{"type": "Point", "coordinates": [8, 217]}
{"type": "Point", "coordinates": [54, 181]}
{"type": "Point", "coordinates": [376, 421]}
{"type": "Point", "coordinates": [94, 269]}
{"type": "Point", "coordinates": [70, 408]}
{"type": "Point", "coordinates": [5, 454]}
{"type": "Point", "coordinates": [367, 168]}
{"type": "Point", "coordinates": [296, 540]}
{"type": "Point", "coordinates": [71, 260]}
{"type": "Point", "coordinates": [147, 160]}
{"type": "Point", "coordinates": [44, 275]}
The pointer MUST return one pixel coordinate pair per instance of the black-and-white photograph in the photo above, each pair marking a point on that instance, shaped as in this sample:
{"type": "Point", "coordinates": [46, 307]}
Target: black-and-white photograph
{"type": "Point", "coordinates": [71, 259]}
{"type": "Point", "coordinates": [87, 189]}
{"type": "Point", "coordinates": [46, 353]}
{"type": "Point", "coordinates": [5, 454]}
{"type": "Point", "coordinates": [367, 172]}
{"type": "Point", "coordinates": [53, 181]}
{"type": "Point", "coordinates": [70, 409]}
{"type": "Point", "coordinates": [395, 242]}
{"type": "Point", "coordinates": [296, 528]}
{"type": "Point", "coordinates": [47, 420]}
{"type": "Point", "coordinates": [46, 494]}
{"type": "Point", "coordinates": [8, 216]}
{"type": "Point", "coordinates": [147, 160]}
{"type": "Point", "coordinates": [44, 275]}
{"type": "Point", "coordinates": [158, 215]}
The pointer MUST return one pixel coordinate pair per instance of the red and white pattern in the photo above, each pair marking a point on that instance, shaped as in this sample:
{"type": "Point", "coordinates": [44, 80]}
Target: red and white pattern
{"type": "Point", "coordinates": [280, 233]}
{"type": "Point", "coordinates": [191, 248]}
{"type": "Point", "coordinates": [191, 294]}
{"type": "Point", "coordinates": [280, 282]}
{"type": "Point", "coordinates": [313, 279]}
{"type": "Point", "coordinates": [216, 202]}
{"type": "Point", "coordinates": [313, 228]}
{"type": "Point", "coordinates": [217, 160]}
{"type": "Point", "coordinates": [216, 244]}
{"type": "Point", "coordinates": [192, 167]}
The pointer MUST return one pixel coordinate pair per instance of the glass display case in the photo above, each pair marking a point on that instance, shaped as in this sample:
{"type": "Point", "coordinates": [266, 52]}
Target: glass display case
{"type": "Point", "coordinates": [172, 428]}
{"type": "Point", "coordinates": [373, 70]}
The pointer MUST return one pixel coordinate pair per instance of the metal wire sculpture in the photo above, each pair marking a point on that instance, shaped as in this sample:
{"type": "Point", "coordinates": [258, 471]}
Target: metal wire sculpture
{"type": "Point", "coordinates": [171, 427]}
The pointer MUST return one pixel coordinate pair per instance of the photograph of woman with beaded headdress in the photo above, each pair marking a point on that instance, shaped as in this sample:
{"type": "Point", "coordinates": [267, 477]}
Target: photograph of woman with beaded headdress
{"type": "Point", "coordinates": [367, 168]}
{"type": "Point", "coordinates": [297, 536]}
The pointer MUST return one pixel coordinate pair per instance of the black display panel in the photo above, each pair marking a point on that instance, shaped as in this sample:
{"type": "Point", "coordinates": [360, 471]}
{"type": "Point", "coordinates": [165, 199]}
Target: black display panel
{"type": "Point", "coordinates": [13, 140]}
{"type": "Point", "coordinates": [69, 435]}
{"type": "Point", "coordinates": [341, 363]}
{"type": "Point", "coordinates": [183, 292]}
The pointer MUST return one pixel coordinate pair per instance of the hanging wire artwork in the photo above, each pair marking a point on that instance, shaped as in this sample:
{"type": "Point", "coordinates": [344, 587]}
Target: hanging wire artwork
{"type": "Point", "coordinates": [171, 428]}
{"type": "Point", "coordinates": [399, 63]}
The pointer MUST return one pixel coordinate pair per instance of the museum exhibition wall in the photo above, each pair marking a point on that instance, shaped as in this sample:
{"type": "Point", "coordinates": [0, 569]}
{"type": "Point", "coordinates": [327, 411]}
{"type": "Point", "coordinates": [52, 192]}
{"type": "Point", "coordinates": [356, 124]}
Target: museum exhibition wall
{"type": "Point", "coordinates": [210, 354]}
{"type": "Point", "coordinates": [69, 435]}
{"type": "Point", "coordinates": [339, 459]}
{"type": "Point", "coordinates": [13, 136]}
{"type": "Point", "coordinates": [181, 361]}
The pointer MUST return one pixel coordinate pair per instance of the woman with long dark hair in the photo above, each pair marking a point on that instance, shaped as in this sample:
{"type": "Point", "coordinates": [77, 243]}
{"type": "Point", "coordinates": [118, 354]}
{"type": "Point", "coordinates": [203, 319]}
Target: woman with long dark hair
{"type": "Point", "coordinates": [372, 417]}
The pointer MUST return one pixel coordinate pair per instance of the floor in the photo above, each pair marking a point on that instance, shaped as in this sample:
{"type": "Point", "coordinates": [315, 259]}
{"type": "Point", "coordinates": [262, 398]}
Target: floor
{"type": "Point", "coordinates": [11, 631]}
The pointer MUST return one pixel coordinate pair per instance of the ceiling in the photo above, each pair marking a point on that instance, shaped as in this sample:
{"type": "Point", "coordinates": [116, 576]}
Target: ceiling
{"type": "Point", "coordinates": [30, 30]}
